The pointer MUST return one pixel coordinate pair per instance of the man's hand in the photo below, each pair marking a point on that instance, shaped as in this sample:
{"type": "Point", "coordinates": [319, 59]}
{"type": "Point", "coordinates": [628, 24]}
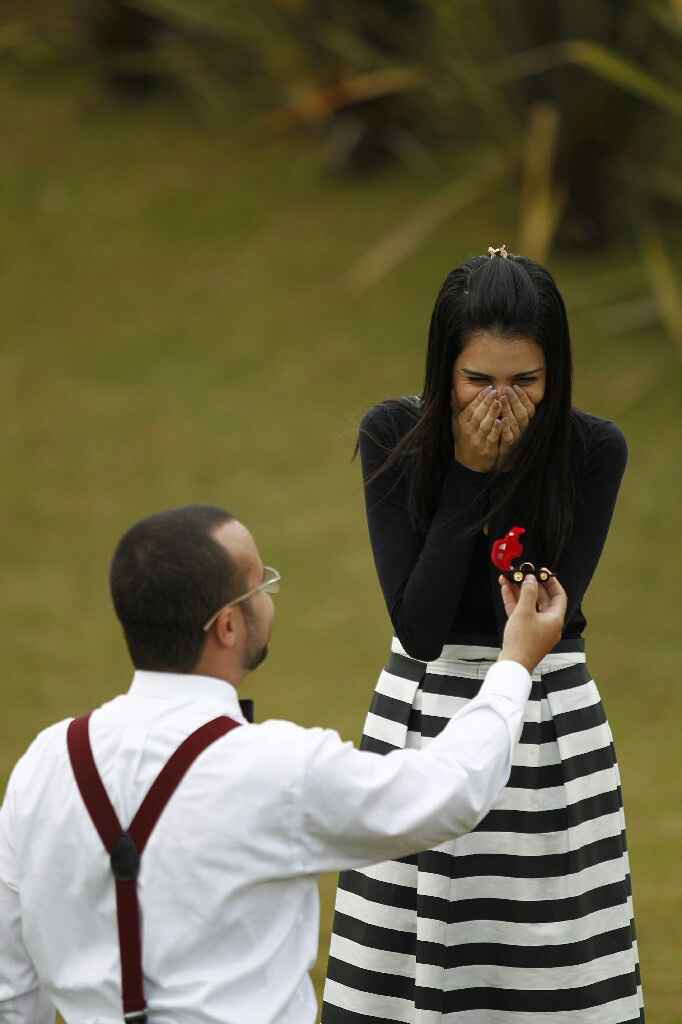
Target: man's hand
{"type": "Point", "coordinates": [476, 431]}
{"type": "Point", "coordinates": [536, 618]}
{"type": "Point", "coordinates": [517, 412]}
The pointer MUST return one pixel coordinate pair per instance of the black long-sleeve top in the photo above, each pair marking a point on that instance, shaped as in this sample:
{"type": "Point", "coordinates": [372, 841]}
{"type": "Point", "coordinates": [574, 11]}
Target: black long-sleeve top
{"type": "Point", "coordinates": [440, 585]}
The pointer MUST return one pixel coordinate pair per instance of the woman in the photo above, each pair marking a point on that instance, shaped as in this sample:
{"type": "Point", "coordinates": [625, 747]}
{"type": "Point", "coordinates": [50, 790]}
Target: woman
{"type": "Point", "coordinates": [529, 917]}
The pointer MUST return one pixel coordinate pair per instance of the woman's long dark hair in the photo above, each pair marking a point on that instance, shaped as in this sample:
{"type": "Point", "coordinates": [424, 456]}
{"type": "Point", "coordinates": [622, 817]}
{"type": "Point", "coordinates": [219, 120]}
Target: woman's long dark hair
{"type": "Point", "coordinates": [512, 297]}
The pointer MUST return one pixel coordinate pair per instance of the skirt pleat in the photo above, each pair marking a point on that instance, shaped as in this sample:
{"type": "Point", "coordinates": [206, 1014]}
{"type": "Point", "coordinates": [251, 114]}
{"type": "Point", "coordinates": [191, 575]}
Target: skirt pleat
{"type": "Point", "coordinates": [526, 920]}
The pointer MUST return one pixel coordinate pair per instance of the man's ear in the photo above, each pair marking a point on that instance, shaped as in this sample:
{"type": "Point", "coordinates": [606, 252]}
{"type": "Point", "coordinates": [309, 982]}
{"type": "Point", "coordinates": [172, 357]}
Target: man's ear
{"type": "Point", "coordinates": [226, 627]}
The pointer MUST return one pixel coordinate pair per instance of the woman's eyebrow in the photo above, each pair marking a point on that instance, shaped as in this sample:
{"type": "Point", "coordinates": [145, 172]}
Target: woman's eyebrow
{"type": "Point", "coordinates": [479, 373]}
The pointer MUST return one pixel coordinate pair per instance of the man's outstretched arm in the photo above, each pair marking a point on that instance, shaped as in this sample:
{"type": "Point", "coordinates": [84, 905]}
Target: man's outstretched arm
{"type": "Point", "coordinates": [360, 808]}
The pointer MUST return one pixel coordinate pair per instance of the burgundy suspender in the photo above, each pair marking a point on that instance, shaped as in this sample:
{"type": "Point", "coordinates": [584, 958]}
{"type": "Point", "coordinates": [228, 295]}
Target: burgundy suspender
{"type": "Point", "coordinates": [125, 848]}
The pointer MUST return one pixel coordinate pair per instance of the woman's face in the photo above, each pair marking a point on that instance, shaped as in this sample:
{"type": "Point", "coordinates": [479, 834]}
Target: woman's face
{"type": "Point", "coordinates": [490, 359]}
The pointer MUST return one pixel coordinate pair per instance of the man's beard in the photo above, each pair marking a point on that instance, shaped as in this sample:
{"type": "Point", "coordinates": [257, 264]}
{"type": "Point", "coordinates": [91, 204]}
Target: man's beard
{"type": "Point", "coordinates": [253, 656]}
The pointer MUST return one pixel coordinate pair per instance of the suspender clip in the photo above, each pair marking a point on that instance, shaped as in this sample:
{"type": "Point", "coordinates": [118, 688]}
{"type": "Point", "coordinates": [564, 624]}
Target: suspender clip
{"type": "Point", "coordinates": [125, 861]}
{"type": "Point", "coordinates": [135, 1017]}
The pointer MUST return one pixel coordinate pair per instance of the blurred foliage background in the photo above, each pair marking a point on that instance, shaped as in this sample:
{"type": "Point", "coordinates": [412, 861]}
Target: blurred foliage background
{"type": "Point", "coordinates": [224, 225]}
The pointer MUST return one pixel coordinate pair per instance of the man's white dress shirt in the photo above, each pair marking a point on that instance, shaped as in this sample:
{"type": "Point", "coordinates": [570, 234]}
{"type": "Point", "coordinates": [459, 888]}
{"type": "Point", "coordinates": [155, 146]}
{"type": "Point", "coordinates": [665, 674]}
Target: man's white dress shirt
{"type": "Point", "coordinates": [228, 883]}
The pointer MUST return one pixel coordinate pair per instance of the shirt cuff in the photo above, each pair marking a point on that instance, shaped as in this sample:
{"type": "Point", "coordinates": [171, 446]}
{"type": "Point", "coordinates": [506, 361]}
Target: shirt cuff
{"type": "Point", "coordinates": [467, 477]}
{"type": "Point", "coordinates": [507, 679]}
{"type": "Point", "coordinates": [465, 472]}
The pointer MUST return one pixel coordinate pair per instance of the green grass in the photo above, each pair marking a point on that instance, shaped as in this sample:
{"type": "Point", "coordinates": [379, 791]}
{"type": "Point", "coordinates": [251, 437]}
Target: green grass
{"type": "Point", "coordinates": [177, 329]}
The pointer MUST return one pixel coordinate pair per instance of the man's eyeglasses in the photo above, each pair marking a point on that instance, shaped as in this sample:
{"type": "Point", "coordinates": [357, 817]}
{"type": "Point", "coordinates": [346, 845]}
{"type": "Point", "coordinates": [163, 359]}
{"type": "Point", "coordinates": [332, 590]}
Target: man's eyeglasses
{"type": "Point", "coordinates": [269, 584]}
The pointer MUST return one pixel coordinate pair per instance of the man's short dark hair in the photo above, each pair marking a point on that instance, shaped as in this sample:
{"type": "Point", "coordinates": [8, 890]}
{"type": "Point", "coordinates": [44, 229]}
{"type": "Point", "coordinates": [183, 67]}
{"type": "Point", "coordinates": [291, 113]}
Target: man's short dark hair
{"type": "Point", "coordinates": [167, 577]}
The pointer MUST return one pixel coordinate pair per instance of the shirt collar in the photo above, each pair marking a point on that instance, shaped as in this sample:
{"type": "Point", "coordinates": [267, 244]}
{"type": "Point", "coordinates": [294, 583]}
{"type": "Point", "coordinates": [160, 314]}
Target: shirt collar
{"type": "Point", "coordinates": [182, 688]}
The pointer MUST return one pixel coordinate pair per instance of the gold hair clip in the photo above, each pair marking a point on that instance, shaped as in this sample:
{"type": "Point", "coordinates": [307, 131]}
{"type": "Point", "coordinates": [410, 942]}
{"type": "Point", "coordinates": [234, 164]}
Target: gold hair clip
{"type": "Point", "coordinates": [500, 251]}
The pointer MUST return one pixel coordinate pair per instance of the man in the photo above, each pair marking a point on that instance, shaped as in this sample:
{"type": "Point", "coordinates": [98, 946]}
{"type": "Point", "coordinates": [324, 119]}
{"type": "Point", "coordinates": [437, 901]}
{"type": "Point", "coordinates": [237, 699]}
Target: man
{"type": "Point", "coordinates": [227, 884]}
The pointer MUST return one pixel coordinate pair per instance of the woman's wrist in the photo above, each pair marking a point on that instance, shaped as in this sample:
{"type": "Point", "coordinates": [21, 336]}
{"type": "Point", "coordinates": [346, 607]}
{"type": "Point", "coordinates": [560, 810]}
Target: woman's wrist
{"type": "Point", "coordinates": [474, 465]}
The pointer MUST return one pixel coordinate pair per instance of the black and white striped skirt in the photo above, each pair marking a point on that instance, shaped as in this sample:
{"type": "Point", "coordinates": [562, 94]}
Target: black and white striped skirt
{"type": "Point", "coordinates": [526, 920]}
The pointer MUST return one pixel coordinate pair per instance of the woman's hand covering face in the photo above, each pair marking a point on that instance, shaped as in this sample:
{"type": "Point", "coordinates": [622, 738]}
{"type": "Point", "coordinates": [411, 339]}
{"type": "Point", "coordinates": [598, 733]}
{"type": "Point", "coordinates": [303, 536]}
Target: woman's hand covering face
{"type": "Point", "coordinates": [517, 412]}
{"type": "Point", "coordinates": [486, 430]}
{"type": "Point", "coordinates": [476, 430]}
